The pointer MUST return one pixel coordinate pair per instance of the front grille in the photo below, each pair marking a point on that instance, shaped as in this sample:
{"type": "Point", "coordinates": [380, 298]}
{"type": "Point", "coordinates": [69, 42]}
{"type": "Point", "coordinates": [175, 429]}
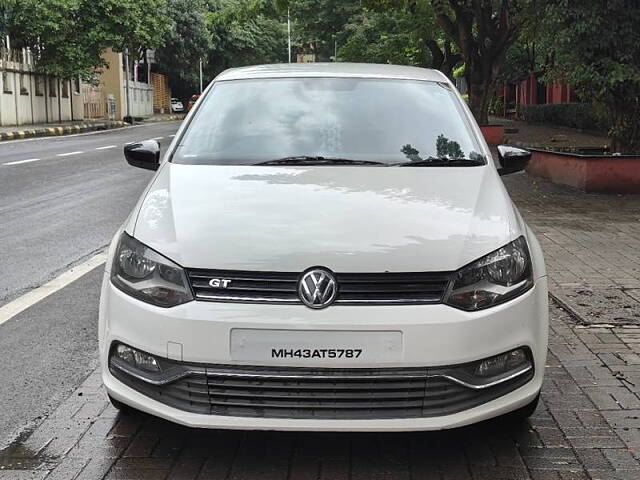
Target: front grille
{"type": "Point", "coordinates": [353, 288]}
{"type": "Point", "coordinates": [318, 393]}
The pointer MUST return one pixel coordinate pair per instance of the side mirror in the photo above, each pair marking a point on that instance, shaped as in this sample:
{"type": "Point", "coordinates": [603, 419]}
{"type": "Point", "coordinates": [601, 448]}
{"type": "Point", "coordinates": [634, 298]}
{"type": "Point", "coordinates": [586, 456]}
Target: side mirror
{"type": "Point", "coordinates": [512, 159]}
{"type": "Point", "coordinates": [143, 154]}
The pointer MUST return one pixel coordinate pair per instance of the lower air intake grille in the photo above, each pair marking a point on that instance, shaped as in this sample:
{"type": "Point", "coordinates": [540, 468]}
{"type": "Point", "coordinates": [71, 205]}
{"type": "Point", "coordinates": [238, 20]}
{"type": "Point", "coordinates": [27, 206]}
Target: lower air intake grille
{"type": "Point", "coordinates": [318, 393]}
{"type": "Point", "coordinates": [353, 288]}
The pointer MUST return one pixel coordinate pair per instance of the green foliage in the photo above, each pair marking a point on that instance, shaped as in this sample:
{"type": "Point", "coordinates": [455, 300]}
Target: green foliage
{"type": "Point", "coordinates": [382, 38]}
{"type": "Point", "coordinates": [188, 41]}
{"type": "Point", "coordinates": [459, 72]}
{"type": "Point", "coordinates": [584, 116]}
{"type": "Point", "coordinates": [69, 36]}
{"type": "Point", "coordinates": [496, 105]}
{"type": "Point", "coordinates": [244, 33]}
{"type": "Point", "coordinates": [398, 31]}
{"type": "Point", "coordinates": [597, 51]}
{"type": "Point", "coordinates": [319, 24]}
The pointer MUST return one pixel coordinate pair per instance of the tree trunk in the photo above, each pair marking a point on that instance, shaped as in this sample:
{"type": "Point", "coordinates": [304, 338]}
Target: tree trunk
{"type": "Point", "coordinates": [482, 74]}
{"type": "Point", "coordinates": [480, 91]}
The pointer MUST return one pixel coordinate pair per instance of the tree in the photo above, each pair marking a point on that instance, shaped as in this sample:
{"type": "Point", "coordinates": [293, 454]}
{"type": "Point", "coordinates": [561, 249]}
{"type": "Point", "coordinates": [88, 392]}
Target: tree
{"type": "Point", "coordinates": [483, 30]}
{"type": "Point", "coordinates": [596, 49]}
{"type": "Point", "coordinates": [68, 37]}
{"type": "Point", "coordinates": [185, 44]}
{"type": "Point", "coordinates": [401, 32]}
{"type": "Point", "coordinates": [382, 38]}
{"type": "Point", "coordinates": [244, 33]}
{"type": "Point", "coordinates": [318, 25]}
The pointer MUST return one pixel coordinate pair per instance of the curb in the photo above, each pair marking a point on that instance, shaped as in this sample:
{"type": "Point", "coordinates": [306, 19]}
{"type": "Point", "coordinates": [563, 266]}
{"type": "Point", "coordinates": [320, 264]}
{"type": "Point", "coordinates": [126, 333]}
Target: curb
{"type": "Point", "coordinates": [57, 131]}
{"type": "Point", "coordinates": [168, 118]}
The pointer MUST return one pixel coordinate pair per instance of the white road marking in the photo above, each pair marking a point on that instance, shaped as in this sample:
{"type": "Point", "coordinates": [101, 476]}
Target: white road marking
{"type": "Point", "coordinates": [130, 143]}
{"type": "Point", "coordinates": [157, 138]}
{"type": "Point", "coordinates": [22, 161]}
{"type": "Point", "coordinates": [105, 147]}
{"type": "Point", "coordinates": [171, 136]}
{"type": "Point", "coordinates": [70, 153]}
{"type": "Point", "coordinates": [20, 304]}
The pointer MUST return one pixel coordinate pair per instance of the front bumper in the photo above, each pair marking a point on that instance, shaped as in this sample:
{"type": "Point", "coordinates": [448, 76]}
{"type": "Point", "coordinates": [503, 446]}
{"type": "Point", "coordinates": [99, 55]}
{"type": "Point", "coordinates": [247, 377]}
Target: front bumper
{"type": "Point", "coordinates": [433, 336]}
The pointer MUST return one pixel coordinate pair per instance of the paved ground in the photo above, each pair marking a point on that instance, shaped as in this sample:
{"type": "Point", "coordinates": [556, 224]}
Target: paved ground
{"type": "Point", "coordinates": [591, 244]}
{"type": "Point", "coordinates": [545, 135]}
{"type": "Point", "coordinates": [587, 425]}
{"type": "Point", "coordinates": [55, 212]}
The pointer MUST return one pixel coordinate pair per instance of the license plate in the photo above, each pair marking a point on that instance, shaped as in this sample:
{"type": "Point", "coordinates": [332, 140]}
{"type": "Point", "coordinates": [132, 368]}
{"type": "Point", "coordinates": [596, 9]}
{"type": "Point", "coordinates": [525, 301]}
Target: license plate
{"type": "Point", "coordinates": [317, 347]}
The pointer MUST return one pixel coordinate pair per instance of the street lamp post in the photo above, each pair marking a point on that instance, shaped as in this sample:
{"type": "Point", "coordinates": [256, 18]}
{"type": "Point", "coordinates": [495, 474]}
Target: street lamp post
{"type": "Point", "coordinates": [289, 33]}
{"type": "Point", "coordinates": [201, 76]}
{"type": "Point", "coordinates": [126, 58]}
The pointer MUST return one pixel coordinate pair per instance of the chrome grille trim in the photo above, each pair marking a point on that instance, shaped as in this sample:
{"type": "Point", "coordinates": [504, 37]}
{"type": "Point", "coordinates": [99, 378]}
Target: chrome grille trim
{"type": "Point", "coordinates": [172, 377]}
{"type": "Point", "coordinates": [414, 288]}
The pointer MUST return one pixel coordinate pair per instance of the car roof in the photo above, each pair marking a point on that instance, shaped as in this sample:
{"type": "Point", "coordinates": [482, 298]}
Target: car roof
{"type": "Point", "coordinates": [335, 69]}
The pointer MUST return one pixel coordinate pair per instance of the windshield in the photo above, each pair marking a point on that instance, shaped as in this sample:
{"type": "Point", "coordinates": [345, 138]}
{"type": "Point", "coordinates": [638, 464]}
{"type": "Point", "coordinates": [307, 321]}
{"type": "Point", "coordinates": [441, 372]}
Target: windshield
{"type": "Point", "coordinates": [388, 122]}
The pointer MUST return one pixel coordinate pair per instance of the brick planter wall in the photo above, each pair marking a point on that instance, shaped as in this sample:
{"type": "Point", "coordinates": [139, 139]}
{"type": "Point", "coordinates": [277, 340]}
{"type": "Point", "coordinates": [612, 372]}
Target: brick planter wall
{"type": "Point", "coordinates": [590, 173]}
{"type": "Point", "coordinates": [493, 134]}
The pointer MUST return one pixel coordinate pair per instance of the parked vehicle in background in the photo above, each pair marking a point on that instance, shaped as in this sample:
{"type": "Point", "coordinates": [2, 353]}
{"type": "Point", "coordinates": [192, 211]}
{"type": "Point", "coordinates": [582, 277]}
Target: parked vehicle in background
{"type": "Point", "coordinates": [192, 101]}
{"type": "Point", "coordinates": [326, 247]}
{"type": "Point", "coordinates": [176, 105]}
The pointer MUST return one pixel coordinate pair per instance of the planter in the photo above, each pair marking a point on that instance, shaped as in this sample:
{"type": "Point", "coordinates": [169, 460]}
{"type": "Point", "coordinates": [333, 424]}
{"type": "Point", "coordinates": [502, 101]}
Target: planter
{"type": "Point", "coordinates": [493, 134]}
{"type": "Point", "coordinates": [588, 172]}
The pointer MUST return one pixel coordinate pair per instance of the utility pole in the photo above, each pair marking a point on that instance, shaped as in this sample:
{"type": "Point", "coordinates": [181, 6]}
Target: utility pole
{"type": "Point", "coordinates": [126, 59]}
{"type": "Point", "coordinates": [289, 33]}
{"type": "Point", "coordinates": [200, 76]}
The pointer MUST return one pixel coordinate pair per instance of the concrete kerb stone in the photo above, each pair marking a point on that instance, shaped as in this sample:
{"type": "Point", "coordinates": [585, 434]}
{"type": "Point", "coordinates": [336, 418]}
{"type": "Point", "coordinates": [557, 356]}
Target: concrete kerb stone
{"type": "Point", "coordinates": [62, 130]}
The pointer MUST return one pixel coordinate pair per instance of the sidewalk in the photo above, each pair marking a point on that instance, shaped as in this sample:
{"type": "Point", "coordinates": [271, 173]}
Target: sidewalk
{"type": "Point", "coordinates": [535, 135]}
{"type": "Point", "coordinates": [53, 129]}
{"type": "Point", "coordinates": [67, 128]}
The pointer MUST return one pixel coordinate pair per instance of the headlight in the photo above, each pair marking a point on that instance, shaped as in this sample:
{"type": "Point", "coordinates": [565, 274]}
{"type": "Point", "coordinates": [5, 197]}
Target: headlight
{"type": "Point", "coordinates": [148, 276]}
{"type": "Point", "coordinates": [493, 279]}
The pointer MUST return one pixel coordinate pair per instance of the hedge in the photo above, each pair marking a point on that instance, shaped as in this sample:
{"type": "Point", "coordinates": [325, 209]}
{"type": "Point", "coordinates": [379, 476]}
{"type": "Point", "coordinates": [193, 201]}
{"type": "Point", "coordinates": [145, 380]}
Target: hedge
{"type": "Point", "coordinates": [576, 115]}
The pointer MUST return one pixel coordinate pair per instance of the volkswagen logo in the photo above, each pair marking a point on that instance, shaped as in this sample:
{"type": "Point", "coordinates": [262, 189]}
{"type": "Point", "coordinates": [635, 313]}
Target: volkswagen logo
{"type": "Point", "coordinates": [317, 288]}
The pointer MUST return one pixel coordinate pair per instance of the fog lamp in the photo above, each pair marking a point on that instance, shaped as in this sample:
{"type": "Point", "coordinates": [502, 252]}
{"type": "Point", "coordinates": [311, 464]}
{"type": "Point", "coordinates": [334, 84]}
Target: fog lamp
{"type": "Point", "coordinates": [136, 358]}
{"type": "Point", "coordinates": [503, 363]}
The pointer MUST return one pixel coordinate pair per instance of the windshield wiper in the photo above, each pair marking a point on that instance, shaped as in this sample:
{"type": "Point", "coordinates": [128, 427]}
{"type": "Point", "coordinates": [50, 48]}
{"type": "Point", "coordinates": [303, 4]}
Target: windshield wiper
{"type": "Point", "coordinates": [317, 160]}
{"type": "Point", "coordinates": [441, 162]}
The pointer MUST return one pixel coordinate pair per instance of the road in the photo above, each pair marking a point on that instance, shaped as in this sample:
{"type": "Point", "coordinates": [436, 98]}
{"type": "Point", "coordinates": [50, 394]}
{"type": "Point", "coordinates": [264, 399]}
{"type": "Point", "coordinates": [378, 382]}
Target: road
{"type": "Point", "coordinates": [61, 200]}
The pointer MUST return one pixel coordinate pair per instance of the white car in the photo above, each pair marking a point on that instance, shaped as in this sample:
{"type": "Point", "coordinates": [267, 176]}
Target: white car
{"type": "Point", "coordinates": [176, 105]}
{"type": "Point", "coordinates": [325, 247]}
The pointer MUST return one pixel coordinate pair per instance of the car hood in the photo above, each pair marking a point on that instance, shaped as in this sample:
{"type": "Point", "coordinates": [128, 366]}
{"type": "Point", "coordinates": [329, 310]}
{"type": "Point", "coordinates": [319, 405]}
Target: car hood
{"type": "Point", "coordinates": [347, 219]}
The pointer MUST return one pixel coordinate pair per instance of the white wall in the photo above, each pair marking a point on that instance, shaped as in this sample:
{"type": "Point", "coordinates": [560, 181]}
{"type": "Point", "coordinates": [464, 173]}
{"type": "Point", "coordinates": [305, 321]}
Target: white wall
{"type": "Point", "coordinates": [141, 98]}
{"type": "Point", "coordinates": [27, 106]}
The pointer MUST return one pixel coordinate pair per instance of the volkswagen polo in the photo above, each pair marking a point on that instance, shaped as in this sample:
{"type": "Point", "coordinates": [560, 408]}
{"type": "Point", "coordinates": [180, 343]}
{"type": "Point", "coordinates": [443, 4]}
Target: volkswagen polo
{"type": "Point", "coordinates": [325, 247]}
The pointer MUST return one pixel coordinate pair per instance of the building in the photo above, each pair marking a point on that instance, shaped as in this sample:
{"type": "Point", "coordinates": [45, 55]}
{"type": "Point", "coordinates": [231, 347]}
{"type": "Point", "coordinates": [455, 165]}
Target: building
{"type": "Point", "coordinates": [29, 97]}
{"type": "Point", "coordinates": [113, 87]}
{"type": "Point", "coordinates": [530, 90]}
